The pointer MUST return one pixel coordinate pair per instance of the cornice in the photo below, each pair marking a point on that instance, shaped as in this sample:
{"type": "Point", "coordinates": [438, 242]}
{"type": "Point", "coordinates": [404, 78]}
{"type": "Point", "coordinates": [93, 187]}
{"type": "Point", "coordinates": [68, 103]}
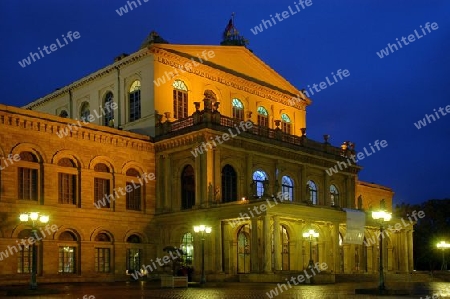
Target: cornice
{"type": "Point", "coordinates": [133, 58]}
{"type": "Point", "coordinates": [241, 143]}
{"type": "Point", "coordinates": [209, 71]}
{"type": "Point", "coordinates": [36, 121]}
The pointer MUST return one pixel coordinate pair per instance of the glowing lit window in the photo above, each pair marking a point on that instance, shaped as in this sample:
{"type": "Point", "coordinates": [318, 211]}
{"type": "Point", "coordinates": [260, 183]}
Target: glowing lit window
{"type": "Point", "coordinates": [263, 117]}
{"type": "Point", "coordinates": [285, 123]}
{"type": "Point", "coordinates": [238, 109]}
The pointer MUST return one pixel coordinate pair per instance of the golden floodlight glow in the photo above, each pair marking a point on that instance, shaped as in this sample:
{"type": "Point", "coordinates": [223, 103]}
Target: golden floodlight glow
{"type": "Point", "coordinates": [381, 215]}
{"type": "Point", "coordinates": [34, 216]}
{"type": "Point", "coordinates": [443, 245]}
{"type": "Point", "coordinates": [23, 217]}
{"type": "Point", "coordinates": [44, 218]}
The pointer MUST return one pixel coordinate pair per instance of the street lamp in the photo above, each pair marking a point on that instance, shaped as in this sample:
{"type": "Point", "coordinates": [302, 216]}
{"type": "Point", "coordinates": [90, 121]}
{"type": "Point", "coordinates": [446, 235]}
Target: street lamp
{"type": "Point", "coordinates": [203, 229]}
{"type": "Point", "coordinates": [35, 220]}
{"type": "Point", "coordinates": [310, 235]}
{"type": "Point", "coordinates": [381, 216]}
{"type": "Point", "coordinates": [443, 245]}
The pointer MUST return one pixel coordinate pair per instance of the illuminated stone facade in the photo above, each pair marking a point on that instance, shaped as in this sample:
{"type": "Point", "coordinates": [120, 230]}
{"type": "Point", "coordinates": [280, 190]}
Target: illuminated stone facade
{"type": "Point", "coordinates": [227, 136]}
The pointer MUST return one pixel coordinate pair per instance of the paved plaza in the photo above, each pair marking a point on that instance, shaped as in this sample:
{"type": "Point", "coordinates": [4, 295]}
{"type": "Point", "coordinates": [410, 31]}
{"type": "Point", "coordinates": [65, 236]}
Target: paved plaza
{"type": "Point", "coordinates": [138, 290]}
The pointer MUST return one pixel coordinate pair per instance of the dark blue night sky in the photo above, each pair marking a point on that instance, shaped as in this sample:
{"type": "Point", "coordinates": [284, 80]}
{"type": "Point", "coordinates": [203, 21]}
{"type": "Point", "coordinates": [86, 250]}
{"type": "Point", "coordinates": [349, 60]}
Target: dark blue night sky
{"type": "Point", "coordinates": [381, 99]}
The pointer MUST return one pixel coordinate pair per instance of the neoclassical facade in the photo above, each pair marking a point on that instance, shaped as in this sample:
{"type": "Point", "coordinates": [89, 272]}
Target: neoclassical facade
{"type": "Point", "coordinates": [224, 136]}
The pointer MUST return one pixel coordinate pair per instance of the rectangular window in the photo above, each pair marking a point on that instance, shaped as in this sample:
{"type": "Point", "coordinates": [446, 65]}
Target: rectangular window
{"type": "Point", "coordinates": [66, 188]}
{"type": "Point", "coordinates": [286, 127]}
{"type": "Point", "coordinates": [133, 259]}
{"type": "Point", "coordinates": [134, 197]}
{"type": "Point", "coordinates": [102, 196]}
{"type": "Point", "coordinates": [102, 258]}
{"type": "Point", "coordinates": [24, 259]}
{"type": "Point", "coordinates": [28, 188]}
{"type": "Point", "coordinates": [238, 113]}
{"type": "Point", "coordinates": [66, 259]}
{"type": "Point", "coordinates": [135, 105]}
{"type": "Point", "coordinates": [180, 104]}
{"type": "Point", "coordinates": [263, 121]}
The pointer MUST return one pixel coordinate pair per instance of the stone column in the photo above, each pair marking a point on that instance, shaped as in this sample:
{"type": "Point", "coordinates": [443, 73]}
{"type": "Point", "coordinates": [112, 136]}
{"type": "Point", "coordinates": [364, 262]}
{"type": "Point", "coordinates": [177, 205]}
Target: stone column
{"type": "Point", "coordinates": [228, 245]}
{"type": "Point", "coordinates": [335, 247]}
{"type": "Point", "coordinates": [404, 253]}
{"type": "Point", "coordinates": [218, 176]}
{"type": "Point", "coordinates": [326, 189]}
{"type": "Point", "coordinates": [198, 180]}
{"type": "Point", "coordinates": [254, 246]}
{"type": "Point", "coordinates": [303, 188]}
{"type": "Point", "coordinates": [168, 203]}
{"type": "Point", "coordinates": [347, 256]}
{"type": "Point", "coordinates": [249, 176]}
{"type": "Point", "coordinates": [370, 258]}
{"type": "Point", "coordinates": [267, 245]}
{"type": "Point", "coordinates": [277, 242]}
{"type": "Point", "coordinates": [218, 248]}
{"type": "Point", "coordinates": [410, 251]}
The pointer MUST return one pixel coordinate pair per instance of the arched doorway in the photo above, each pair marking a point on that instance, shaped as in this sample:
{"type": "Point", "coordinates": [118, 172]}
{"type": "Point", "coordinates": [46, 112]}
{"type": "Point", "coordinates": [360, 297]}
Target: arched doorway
{"type": "Point", "coordinates": [243, 249]}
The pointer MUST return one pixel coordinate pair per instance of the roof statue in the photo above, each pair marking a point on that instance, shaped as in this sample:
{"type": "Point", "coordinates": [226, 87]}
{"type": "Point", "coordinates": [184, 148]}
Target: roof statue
{"type": "Point", "coordinates": [153, 38]}
{"type": "Point", "coordinates": [231, 36]}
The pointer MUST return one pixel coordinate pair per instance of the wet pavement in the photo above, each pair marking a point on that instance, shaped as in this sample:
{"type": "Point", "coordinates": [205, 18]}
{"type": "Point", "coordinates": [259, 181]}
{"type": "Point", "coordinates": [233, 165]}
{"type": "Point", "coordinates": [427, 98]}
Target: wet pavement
{"type": "Point", "coordinates": [137, 290]}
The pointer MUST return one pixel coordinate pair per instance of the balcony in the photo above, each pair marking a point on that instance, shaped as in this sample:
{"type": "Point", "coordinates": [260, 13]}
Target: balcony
{"type": "Point", "coordinates": [212, 119]}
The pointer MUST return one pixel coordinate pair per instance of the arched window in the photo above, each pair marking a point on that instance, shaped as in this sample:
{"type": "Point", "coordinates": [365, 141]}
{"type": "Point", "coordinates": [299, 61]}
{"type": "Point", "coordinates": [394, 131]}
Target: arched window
{"type": "Point", "coordinates": [134, 190]}
{"type": "Point", "coordinates": [102, 186]}
{"type": "Point", "coordinates": [25, 254]}
{"type": "Point", "coordinates": [108, 118]}
{"type": "Point", "coordinates": [187, 245]}
{"type": "Point", "coordinates": [67, 253]}
{"type": "Point", "coordinates": [180, 99]}
{"type": "Point", "coordinates": [28, 176]}
{"type": "Point", "coordinates": [134, 96]}
{"type": "Point", "coordinates": [187, 188]}
{"type": "Point", "coordinates": [259, 180]}
{"type": "Point", "coordinates": [229, 184]}
{"type": "Point", "coordinates": [102, 253]}
{"type": "Point", "coordinates": [134, 254]}
{"type": "Point", "coordinates": [263, 117]}
{"type": "Point", "coordinates": [238, 109]}
{"type": "Point", "coordinates": [85, 111]}
{"type": "Point", "coordinates": [334, 196]}
{"type": "Point", "coordinates": [312, 187]}
{"type": "Point", "coordinates": [63, 114]}
{"type": "Point", "coordinates": [243, 249]}
{"type": "Point", "coordinates": [285, 123]}
{"type": "Point", "coordinates": [67, 182]}
{"type": "Point", "coordinates": [287, 187]}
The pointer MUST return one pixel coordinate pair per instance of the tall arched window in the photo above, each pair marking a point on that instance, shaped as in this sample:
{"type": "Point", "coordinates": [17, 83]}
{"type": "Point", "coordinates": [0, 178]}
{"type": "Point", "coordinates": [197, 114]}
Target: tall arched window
{"type": "Point", "coordinates": [67, 182]}
{"type": "Point", "coordinates": [259, 180]}
{"type": "Point", "coordinates": [102, 186]}
{"type": "Point", "coordinates": [263, 117]}
{"type": "Point", "coordinates": [287, 187]}
{"type": "Point", "coordinates": [25, 254]}
{"type": "Point", "coordinates": [134, 196]}
{"type": "Point", "coordinates": [238, 109]}
{"type": "Point", "coordinates": [312, 192]}
{"type": "Point", "coordinates": [334, 196]}
{"type": "Point", "coordinates": [28, 176]}
{"type": "Point", "coordinates": [85, 111]}
{"type": "Point", "coordinates": [285, 123]}
{"type": "Point", "coordinates": [103, 253]}
{"type": "Point", "coordinates": [229, 184]}
{"type": "Point", "coordinates": [180, 99]}
{"type": "Point", "coordinates": [134, 254]}
{"type": "Point", "coordinates": [108, 118]}
{"type": "Point", "coordinates": [243, 249]}
{"type": "Point", "coordinates": [67, 253]}
{"type": "Point", "coordinates": [187, 245]}
{"type": "Point", "coordinates": [187, 187]}
{"type": "Point", "coordinates": [134, 96]}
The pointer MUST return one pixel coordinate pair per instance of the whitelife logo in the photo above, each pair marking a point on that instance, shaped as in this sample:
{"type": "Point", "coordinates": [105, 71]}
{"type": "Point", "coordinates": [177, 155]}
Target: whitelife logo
{"type": "Point", "coordinates": [53, 47]}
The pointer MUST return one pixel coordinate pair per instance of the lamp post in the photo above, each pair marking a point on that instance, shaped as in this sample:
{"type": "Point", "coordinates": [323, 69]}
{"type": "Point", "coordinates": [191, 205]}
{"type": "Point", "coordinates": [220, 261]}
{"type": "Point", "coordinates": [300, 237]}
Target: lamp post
{"type": "Point", "coordinates": [381, 216]}
{"type": "Point", "coordinates": [202, 229]}
{"type": "Point", "coordinates": [443, 245]}
{"type": "Point", "coordinates": [310, 235]}
{"type": "Point", "coordinates": [35, 219]}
